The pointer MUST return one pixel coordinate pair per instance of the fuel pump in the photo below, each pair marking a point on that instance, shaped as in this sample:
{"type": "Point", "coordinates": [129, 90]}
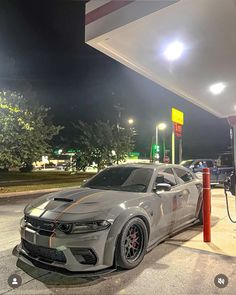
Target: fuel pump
{"type": "Point", "coordinates": [229, 186]}
{"type": "Point", "coordinates": [230, 182]}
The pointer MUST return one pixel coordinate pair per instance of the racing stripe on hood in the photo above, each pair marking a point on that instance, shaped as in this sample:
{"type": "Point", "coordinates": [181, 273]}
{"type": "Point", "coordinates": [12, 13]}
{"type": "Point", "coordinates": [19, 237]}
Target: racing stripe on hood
{"type": "Point", "coordinates": [75, 203]}
{"type": "Point", "coordinates": [64, 211]}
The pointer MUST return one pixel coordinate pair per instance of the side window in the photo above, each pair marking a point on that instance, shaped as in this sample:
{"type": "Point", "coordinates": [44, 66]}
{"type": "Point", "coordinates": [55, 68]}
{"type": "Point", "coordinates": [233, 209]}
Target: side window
{"type": "Point", "coordinates": [183, 175]}
{"type": "Point", "coordinates": [209, 164]}
{"type": "Point", "coordinates": [197, 164]}
{"type": "Point", "coordinates": [168, 175]}
{"type": "Point", "coordinates": [200, 164]}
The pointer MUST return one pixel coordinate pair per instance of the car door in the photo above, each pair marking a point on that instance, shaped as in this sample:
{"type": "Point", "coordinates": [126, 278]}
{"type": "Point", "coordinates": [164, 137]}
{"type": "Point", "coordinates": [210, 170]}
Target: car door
{"type": "Point", "coordinates": [188, 196]}
{"type": "Point", "coordinates": [166, 204]}
{"type": "Point", "coordinates": [213, 170]}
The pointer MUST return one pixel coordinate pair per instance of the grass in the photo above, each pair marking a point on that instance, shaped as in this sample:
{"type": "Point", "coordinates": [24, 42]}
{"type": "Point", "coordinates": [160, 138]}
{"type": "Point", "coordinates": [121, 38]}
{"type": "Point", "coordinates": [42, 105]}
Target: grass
{"type": "Point", "coordinates": [18, 182]}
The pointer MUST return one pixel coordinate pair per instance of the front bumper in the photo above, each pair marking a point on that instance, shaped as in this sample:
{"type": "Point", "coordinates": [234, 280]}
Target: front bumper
{"type": "Point", "coordinates": [64, 252]}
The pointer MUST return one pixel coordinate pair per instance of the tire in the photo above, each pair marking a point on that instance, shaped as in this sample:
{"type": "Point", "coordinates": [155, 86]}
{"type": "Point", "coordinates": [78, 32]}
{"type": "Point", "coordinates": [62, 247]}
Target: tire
{"type": "Point", "coordinates": [129, 253]}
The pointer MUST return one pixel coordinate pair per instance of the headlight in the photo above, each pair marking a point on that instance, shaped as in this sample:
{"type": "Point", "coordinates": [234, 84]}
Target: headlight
{"type": "Point", "coordinates": [65, 227]}
{"type": "Point", "coordinates": [85, 227]}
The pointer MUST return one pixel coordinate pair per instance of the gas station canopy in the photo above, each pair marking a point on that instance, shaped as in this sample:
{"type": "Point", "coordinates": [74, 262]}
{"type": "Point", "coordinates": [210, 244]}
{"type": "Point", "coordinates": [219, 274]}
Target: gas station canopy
{"type": "Point", "coordinates": [187, 46]}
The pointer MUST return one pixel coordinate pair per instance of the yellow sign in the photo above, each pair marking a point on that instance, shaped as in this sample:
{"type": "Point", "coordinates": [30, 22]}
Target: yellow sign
{"type": "Point", "coordinates": [177, 116]}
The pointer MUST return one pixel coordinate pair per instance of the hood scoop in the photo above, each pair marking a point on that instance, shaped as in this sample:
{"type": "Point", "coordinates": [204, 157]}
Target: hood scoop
{"type": "Point", "coordinates": [63, 200]}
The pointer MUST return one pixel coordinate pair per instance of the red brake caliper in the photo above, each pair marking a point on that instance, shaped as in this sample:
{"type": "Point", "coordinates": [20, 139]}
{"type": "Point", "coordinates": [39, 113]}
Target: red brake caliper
{"type": "Point", "coordinates": [134, 238]}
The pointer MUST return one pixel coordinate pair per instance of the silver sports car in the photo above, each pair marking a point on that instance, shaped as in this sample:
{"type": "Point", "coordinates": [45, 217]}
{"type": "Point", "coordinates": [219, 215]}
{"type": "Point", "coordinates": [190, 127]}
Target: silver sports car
{"type": "Point", "coordinates": [112, 220]}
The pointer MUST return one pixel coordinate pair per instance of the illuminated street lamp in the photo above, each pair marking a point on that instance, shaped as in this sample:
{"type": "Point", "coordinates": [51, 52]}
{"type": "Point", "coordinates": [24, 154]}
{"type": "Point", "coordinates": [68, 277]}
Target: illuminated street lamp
{"type": "Point", "coordinates": [131, 121]}
{"type": "Point", "coordinates": [161, 127]}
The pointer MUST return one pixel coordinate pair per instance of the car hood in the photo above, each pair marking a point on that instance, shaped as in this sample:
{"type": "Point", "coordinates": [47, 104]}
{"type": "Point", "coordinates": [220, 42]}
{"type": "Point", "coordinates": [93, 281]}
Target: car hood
{"type": "Point", "coordinates": [78, 201]}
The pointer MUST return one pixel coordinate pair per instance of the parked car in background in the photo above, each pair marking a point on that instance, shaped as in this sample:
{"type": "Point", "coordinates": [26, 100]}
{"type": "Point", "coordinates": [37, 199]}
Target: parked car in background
{"type": "Point", "coordinates": [48, 166]}
{"type": "Point", "coordinates": [218, 173]}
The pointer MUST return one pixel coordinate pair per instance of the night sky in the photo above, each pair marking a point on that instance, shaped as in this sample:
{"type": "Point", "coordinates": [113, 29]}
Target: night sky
{"type": "Point", "coordinates": [43, 55]}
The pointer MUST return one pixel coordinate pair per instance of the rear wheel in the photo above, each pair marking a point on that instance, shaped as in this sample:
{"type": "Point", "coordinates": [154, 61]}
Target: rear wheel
{"type": "Point", "coordinates": [132, 244]}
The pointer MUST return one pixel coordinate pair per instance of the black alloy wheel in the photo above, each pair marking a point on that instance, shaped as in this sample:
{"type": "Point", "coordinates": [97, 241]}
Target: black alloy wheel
{"type": "Point", "coordinates": [132, 244]}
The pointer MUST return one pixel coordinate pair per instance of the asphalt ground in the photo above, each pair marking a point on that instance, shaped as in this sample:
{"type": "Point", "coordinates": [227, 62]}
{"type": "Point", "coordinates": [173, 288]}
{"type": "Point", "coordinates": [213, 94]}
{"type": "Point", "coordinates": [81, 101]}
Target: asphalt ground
{"type": "Point", "coordinates": [170, 268]}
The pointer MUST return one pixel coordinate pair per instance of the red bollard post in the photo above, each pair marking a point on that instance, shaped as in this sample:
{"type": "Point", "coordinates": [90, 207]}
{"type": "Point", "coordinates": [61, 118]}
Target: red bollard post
{"type": "Point", "coordinates": [206, 205]}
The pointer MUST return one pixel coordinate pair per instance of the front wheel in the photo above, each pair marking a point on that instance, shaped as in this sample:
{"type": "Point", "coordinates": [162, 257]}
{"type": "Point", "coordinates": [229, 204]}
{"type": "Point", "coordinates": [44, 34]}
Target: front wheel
{"type": "Point", "coordinates": [132, 244]}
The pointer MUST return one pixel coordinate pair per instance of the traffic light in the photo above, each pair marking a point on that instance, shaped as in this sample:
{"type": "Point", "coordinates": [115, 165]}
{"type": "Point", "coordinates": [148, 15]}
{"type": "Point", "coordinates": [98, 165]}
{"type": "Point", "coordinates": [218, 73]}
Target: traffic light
{"type": "Point", "coordinates": [155, 151]}
{"type": "Point", "coordinates": [155, 148]}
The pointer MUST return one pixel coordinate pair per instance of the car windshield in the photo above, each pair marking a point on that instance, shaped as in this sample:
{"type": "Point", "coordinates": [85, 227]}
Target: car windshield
{"type": "Point", "coordinates": [187, 163]}
{"type": "Point", "coordinates": [130, 179]}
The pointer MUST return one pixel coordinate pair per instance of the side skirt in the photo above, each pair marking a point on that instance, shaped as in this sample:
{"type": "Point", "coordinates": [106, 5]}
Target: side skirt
{"type": "Point", "coordinates": [177, 231]}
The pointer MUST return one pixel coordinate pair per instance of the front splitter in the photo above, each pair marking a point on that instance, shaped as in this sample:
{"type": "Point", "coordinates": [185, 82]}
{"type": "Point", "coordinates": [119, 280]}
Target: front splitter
{"type": "Point", "coordinates": [36, 263]}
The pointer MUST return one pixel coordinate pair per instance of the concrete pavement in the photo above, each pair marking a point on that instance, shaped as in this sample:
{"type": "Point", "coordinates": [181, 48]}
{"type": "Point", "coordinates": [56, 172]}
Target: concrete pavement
{"type": "Point", "coordinates": [223, 231]}
{"type": "Point", "coordinates": [173, 267]}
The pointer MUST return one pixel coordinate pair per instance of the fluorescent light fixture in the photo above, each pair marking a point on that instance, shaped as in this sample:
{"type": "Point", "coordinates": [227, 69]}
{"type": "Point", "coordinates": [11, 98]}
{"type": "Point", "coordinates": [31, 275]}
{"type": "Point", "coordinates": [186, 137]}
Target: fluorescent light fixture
{"type": "Point", "coordinates": [174, 50]}
{"type": "Point", "coordinates": [217, 88]}
{"type": "Point", "coordinates": [235, 107]}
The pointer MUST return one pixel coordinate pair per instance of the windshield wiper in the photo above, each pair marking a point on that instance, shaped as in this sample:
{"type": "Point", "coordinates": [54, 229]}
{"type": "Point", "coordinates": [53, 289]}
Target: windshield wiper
{"type": "Point", "coordinates": [105, 187]}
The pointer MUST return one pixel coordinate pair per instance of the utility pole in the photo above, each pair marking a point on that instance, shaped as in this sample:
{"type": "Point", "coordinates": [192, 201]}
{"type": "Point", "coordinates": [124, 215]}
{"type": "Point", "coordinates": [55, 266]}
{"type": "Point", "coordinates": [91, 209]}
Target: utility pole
{"type": "Point", "coordinates": [119, 110]}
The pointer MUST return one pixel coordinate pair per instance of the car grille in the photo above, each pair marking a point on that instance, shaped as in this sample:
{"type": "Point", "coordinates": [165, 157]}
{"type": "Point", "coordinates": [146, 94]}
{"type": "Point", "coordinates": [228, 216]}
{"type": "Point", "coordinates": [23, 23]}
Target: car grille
{"type": "Point", "coordinates": [84, 256]}
{"type": "Point", "coordinates": [40, 223]}
{"type": "Point", "coordinates": [43, 253]}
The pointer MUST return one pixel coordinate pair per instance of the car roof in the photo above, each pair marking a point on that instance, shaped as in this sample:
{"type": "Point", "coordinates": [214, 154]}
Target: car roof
{"type": "Point", "coordinates": [199, 159]}
{"type": "Point", "coordinates": [149, 165]}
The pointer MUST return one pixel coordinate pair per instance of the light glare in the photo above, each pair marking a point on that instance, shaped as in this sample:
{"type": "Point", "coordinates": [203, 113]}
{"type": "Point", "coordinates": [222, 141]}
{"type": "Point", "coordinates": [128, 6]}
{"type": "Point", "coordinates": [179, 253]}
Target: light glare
{"type": "Point", "coordinates": [162, 126]}
{"type": "Point", "coordinates": [217, 88]}
{"type": "Point", "coordinates": [174, 50]}
{"type": "Point", "coordinates": [131, 121]}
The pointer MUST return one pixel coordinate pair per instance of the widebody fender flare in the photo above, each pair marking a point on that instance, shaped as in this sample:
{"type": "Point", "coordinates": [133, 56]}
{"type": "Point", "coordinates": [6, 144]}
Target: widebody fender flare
{"type": "Point", "coordinates": [117, 227]}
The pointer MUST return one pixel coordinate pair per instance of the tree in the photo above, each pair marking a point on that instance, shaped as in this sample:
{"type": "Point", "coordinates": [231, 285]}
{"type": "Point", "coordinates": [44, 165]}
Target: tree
{"type": "Point", "coordinates": [102, 143]}
{"type": "Point", "coordinates": [123, 142]}
{"type": "Point", "coordinates": [25, 131]}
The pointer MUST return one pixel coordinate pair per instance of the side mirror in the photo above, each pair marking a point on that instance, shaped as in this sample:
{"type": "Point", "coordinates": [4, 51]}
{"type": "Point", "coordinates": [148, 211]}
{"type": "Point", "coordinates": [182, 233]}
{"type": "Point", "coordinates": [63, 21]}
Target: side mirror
{"type": "Point", "coordinates": [161, 187]}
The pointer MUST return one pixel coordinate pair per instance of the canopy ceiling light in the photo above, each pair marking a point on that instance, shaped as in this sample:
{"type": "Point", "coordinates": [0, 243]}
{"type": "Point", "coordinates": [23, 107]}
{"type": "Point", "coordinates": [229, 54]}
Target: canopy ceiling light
{"type": "Point", "coordinates": [174, 50]}
{"type": "Point", "coordinates": [217, 88]}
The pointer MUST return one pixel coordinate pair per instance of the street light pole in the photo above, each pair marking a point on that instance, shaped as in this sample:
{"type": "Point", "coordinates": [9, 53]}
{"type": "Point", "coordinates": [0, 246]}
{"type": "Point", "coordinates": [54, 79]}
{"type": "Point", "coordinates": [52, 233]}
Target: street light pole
{"type": "Point", "coordinates": [164, 145]}
{"type": "Point", "coordinates": [162, 127]}
{"type": "Point", "coordinates": [156, 135]}
{"type": "Point", "coordinates": [173, 145]}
